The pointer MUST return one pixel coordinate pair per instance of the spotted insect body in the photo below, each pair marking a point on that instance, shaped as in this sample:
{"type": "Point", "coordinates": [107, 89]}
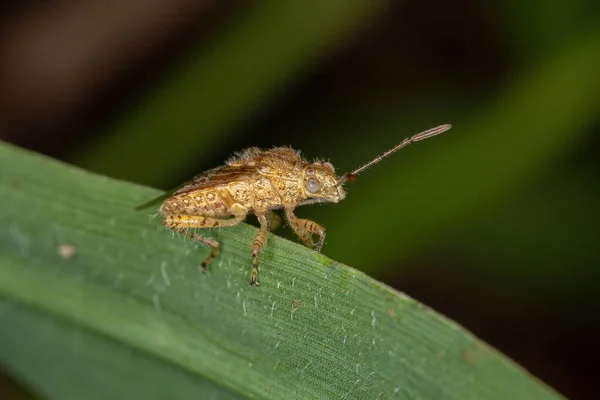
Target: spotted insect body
{"type": "Point", "coordinates": [257, 181]}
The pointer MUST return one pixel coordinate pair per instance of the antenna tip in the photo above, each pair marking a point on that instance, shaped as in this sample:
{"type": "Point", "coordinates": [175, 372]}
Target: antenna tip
{"type": "Point", "coordinates": [430, 132]}
{"type": "Point", "coordinates": [442, 128]}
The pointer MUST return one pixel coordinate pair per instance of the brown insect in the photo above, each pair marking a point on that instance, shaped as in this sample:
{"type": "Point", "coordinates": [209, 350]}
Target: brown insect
{"type": "Point", "coordinates": [260, 181]}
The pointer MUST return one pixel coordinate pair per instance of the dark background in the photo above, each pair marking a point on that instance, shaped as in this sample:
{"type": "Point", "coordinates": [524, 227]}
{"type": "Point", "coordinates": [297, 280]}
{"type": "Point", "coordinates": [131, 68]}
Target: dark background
{"type": "Point", "coordinates": [494, 224]}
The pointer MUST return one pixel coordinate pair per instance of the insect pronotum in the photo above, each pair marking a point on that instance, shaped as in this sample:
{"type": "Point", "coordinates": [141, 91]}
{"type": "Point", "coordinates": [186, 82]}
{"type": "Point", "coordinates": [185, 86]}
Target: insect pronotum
{"type": "Point", "coordinates": [260, 181]}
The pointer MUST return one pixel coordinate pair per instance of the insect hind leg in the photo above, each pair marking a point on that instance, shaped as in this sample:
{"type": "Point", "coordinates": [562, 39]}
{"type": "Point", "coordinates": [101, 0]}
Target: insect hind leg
{"type": "Point", "coordinates": [212, 243]}
{"type": "Point", "coordinates": [181, 224]}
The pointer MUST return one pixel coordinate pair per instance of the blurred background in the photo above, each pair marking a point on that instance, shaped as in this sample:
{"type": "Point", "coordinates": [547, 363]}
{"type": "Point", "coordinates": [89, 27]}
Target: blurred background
{"type": "Point", "coordinates": [494, 224]}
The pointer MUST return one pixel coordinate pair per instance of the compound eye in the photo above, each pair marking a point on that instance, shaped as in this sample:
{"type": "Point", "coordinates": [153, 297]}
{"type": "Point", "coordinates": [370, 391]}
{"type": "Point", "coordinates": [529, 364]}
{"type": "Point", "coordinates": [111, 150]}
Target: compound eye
{"type": "Point", "coordinates": [329, 165]}
{"type": "Point", "coordinates": [313, 185]}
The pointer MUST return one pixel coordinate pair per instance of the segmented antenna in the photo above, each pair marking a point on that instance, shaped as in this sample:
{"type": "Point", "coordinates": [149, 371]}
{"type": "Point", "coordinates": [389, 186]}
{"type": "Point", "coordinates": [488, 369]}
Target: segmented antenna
{"type": "Point", "coordinates": [416, 138]}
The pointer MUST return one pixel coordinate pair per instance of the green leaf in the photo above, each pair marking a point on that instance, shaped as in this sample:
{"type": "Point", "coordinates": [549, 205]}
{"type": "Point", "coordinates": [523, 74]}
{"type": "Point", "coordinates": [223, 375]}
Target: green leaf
{"type": "Point", "coordinates": [99, 301]}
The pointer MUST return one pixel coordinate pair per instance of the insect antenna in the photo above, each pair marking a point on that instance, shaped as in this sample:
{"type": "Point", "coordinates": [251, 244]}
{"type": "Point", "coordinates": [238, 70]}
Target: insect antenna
{"type": "Point", "coordinates": [351, 176]}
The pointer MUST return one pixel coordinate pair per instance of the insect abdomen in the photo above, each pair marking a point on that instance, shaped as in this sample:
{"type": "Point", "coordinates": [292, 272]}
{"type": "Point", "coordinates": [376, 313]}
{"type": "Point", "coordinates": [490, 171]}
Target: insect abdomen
{"type": "Point", "coordinates": [201, 202]}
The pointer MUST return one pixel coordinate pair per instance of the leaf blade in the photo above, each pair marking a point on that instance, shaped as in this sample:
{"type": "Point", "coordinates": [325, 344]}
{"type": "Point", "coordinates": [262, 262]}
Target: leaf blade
{"type": "Point", "coordinates": [314, 329]}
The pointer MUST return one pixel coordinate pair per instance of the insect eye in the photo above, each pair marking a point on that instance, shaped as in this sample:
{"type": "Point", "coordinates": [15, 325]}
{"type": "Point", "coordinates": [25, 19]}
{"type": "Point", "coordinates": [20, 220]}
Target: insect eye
{"type": "Point", "coordinates": [329, 165]}
{"type": "Point", "coordinates": [313, 185]}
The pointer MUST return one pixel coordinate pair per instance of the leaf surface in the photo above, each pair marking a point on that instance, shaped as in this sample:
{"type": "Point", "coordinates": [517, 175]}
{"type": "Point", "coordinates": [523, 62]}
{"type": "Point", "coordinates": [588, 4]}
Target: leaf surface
{"type": "Point", "coordinates": [97, 296]}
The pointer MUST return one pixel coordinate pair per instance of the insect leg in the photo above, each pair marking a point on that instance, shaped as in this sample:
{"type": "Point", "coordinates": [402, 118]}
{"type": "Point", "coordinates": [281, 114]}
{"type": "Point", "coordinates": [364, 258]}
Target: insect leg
{"type": "Point", "coordinates": [306, 237]}
{"type": "Point", "coordinates": [274, 220]}
{"type": "Point", "coordinates": [303, 234]}
{"type": "Point", "coordinates": [257, 246]}
{"type": "Point", "coordinates": [304, 228]}
{"type": "Point", "coordinates": [179, 223]}
{"type": "Point", "coordinates": [214, 245]}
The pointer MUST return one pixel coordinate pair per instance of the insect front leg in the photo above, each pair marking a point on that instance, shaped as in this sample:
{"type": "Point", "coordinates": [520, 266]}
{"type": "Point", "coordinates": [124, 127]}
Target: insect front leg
{"type": "Point", "coordinates": [179, 223]}
{"type": "Point", "coordinates": [304, 235]}
{"type": "Point", "coordinates": [306, 238]}
{"type": "Point", "coordinates": [305, 228]}
{"type": "Point", "coordinates": [257, 246]}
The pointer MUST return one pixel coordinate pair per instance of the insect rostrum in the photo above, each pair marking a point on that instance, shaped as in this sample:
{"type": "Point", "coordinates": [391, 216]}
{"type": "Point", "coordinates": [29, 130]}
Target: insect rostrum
{"type": "Point", "coordinates": [259, 181]}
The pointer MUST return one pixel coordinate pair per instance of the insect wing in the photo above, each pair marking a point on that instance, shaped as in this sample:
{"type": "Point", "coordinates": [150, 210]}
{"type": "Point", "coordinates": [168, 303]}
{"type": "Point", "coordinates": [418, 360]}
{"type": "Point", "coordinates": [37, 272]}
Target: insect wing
{"type": "Point", "coordinates": [211, 178]}
{"type": "Point", "coordinates": [159, 199]}
{"type": "Point", "coordinates": [219, 176]}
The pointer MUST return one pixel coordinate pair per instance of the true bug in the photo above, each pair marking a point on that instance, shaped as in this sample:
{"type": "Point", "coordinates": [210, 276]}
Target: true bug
{"type": "Point", "coordinates": [260, 181]}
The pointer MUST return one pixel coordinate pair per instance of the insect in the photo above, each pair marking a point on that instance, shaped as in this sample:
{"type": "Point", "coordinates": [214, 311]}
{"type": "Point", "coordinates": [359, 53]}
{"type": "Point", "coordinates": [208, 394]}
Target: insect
{"type": "Point", "coordinates": [260, 181]}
